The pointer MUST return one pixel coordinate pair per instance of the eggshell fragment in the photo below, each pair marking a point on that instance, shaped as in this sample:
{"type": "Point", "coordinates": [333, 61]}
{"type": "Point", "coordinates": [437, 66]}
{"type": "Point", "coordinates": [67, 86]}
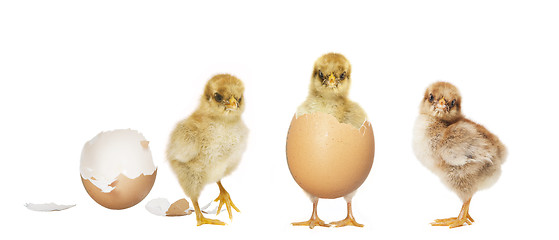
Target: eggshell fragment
{"type": "Point", "coordinates": [178, 208]}
{"type": "Point", "coordinates": [158, 206]}
{"type": "Point", "coordinates": [162, 207]}
{"type": "Point", "coordinates": [47, 207]}
{"type": "Point", "coordinates": [329, 159]}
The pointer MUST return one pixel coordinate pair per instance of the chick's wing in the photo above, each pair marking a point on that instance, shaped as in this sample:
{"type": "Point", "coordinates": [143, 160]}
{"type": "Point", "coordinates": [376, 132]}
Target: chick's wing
{"type": "Point", "coordinates": [463, 143]}
{"type": "Point", "coordinates": [183, 146]}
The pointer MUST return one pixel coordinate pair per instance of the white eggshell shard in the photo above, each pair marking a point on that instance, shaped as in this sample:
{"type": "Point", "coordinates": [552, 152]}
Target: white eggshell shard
{"type": "Point", "coordinates": [158, 206]}
{"type": "Point", "coordinates": [47, 207]}
{"type": "Point", "coordinates": [111, 153]}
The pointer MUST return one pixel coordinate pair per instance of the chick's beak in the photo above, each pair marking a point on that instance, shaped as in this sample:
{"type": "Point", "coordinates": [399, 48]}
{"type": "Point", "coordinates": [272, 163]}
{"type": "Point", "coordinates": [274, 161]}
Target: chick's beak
{"type": "Point", "coordinates": [331, 80]}
{"type": "Point", "coordinates": [441, 105]}
{"type": "Point", "coordinates": [232, 105]}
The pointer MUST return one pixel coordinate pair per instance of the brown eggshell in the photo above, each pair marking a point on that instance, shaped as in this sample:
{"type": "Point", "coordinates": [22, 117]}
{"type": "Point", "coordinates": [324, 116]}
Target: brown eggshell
{"type": "Point", "coordinates": [178, 208]}
{"type": "Point", "coordinates": [126, 193]}
{"type": "Point", "coordinates": [329, 159]}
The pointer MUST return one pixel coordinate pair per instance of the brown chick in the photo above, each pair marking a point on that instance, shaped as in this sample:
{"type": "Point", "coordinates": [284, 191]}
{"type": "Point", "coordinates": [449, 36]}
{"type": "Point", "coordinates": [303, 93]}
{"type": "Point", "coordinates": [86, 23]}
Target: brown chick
{"type": "Point", "coordinates": [208, 145]}
{"type": "Point", "coordinates": [465, 155]}
{"type": "Point", "coordinates": [328, 93]}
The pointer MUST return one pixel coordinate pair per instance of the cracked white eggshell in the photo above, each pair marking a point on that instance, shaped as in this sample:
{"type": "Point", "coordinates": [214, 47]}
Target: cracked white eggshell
{"type": "Point", "coordinates": [118, 160]}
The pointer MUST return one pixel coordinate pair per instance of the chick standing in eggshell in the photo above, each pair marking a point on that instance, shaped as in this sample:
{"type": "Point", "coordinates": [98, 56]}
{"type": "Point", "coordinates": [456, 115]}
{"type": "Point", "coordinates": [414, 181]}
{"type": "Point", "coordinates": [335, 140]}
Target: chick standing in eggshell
{"type": "Point", "coordinates": [330, 143]}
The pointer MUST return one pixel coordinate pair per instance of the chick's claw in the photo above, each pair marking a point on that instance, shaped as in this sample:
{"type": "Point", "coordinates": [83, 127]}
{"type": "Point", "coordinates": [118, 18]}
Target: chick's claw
{"type": "Point", "coordinates": [451, 222]}
{"type": "Point", "coordinates": [447, 220]}
{"type": "Point", "coordinates": [224, 198]}
{"type": "Point", "coordinates": [463, 217]}
{"type": "Point", "coordinates": [201, 220]}
{"type": "Point", "coordinates": [347, 222]}
{"type": "Point", "coordinates": [314, 221]}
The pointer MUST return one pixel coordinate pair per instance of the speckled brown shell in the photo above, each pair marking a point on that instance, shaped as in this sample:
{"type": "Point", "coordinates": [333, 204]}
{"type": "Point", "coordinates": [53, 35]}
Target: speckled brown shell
{"type": "Point", "coordinates": [127, 193]}
{"type": "Point", "coordinates": [329, 159]}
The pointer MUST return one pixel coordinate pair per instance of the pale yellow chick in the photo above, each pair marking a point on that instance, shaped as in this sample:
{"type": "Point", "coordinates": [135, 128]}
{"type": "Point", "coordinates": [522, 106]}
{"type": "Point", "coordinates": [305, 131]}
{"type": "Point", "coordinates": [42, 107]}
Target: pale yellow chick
{"type": "Point", "coordinates": [328, 93]}
{"type": "Point", "coordinates": [465, 155]}
{"type": "Point", "coordinates": [208, 145]}
{"type": "Point", "coordinates": [329, 89]}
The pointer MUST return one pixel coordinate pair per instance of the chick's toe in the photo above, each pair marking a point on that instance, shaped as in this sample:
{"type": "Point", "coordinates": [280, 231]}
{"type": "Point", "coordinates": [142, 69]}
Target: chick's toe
{"type": "Point", "coordinates": [224, 198]}
{"type": "Point", "coordinates": [314, 220]}
{"type": "Point", "coordinates": [349, 220]}
{"type": "Point", "coordinates": [201, 220]}
{"type": "Point", "coordinates": [463, 218]}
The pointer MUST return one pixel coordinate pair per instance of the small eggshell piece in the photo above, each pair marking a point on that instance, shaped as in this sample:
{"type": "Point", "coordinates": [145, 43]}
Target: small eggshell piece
{"type": "Point", "coordinates": [178, 208]}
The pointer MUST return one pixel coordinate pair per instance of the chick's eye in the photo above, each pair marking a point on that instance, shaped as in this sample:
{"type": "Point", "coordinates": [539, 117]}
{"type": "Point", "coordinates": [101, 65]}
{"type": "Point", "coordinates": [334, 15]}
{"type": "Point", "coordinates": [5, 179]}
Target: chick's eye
{"type": "Point", "coordinates": [218, 97]}
{"type": "Point", "coordinates": [320, 74]}
{"type": "Point", "coordinates": [240, 99]}
{"type": "Point", "coordinates": [453, 103]}
{"type": "Point", "coordinates": [342, 76]}
{"type": "Point", "coordinates": [431, 98]}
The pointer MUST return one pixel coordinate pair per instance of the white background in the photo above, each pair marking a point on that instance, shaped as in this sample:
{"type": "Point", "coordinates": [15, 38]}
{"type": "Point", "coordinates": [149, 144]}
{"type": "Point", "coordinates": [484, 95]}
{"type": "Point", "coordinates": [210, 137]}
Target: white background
{"type": "Point", "coordinates": [70, 69]}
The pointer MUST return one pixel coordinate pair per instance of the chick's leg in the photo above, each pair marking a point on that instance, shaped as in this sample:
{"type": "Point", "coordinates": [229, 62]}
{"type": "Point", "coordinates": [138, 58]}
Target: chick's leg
{"type": "Point", "coordinates": [200, 219]}
{"type": "Point", "coordinates": [314, 221]}
{"type": "Point", "coordinates": [349, 220]}
{"type": "Point", "coordinates": [463, 217]}
{"type": "Point", "coordinates": [225, 198]}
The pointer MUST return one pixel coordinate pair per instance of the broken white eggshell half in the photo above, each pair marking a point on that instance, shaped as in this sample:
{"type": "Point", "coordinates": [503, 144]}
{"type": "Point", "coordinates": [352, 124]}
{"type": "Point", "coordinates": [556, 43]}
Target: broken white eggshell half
{"type": "Point", "coordinates": [117, 168]}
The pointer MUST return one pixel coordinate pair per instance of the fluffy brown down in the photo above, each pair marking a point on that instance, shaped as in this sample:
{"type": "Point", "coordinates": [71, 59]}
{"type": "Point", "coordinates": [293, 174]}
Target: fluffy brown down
{"type": "Point", "coordinates": [464, 154]}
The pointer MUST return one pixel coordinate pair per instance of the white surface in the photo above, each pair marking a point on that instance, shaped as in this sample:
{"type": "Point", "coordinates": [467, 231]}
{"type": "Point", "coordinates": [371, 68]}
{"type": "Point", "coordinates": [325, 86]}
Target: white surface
{"type": "Point", "coordinates": [70, 69]}
{"type": "Point", "coordinates": [114, 152]}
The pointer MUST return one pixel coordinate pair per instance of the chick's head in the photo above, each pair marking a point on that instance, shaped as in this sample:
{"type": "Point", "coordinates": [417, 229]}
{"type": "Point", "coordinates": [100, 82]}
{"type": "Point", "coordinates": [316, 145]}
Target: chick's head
{"type": "Point", "coordinates": [442, 100]}
{"type": "Point", "coordinates": [331, 75]}
{"type": "Point", "coordinates": [223, 95]}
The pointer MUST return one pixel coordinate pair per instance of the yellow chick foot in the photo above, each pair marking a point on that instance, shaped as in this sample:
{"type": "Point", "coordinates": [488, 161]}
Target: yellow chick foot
{"type": "Point", "coordinates": [225, 198]}
{"type": "Point", "coordinates": [463, 218]}
{"type": "Point", "coordinates": [349, 220]}
{"type": "Point", "coordinates": [201, 220]}
{"type": "Point", "coordinates": [314, 221]}
{"type": "Point", "coordinates": [453, 222]}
